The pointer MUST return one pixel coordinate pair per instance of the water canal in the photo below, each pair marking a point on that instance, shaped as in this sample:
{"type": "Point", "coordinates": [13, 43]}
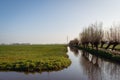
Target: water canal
{"type": "Point", "coordinates": [84, 67]}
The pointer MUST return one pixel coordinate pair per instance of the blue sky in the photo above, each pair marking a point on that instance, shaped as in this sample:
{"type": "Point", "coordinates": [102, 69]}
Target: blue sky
{"type": "Point", "coordinates": [51, 21]}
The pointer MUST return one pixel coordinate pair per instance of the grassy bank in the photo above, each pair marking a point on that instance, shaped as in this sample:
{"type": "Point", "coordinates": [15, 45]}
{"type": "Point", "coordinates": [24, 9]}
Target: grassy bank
{"type": "Point", "coordinates": [102, 54]}
{"type": "Point", "coordinates": [33, 57]}
{"type": "Point", "coordinates": [116, 48]}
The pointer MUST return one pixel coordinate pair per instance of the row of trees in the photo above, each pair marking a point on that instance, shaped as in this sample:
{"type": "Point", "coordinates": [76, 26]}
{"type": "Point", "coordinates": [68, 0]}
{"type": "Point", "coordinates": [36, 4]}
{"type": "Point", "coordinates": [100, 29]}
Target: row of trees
{"type": "Point", "coordinates": [95, 35]}
{"type": "Point", "coordinates": [113, 36]}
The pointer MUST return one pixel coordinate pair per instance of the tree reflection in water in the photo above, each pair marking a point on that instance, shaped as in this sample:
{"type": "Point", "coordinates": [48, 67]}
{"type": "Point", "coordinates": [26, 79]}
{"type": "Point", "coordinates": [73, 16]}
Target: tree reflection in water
{"type": "Point", "coordinates": [90, 66]}
{"type": "Point", "coordinates": [74, 50]}
{"type": "Point", "coordinates": [98, 69]}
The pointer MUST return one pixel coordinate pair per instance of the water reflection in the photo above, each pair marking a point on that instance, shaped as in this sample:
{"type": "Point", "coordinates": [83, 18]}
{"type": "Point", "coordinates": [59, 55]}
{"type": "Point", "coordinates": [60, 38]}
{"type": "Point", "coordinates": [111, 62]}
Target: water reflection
{"type": "Point", "coordinates": [90, 66]}
{"type": "Point", "coordinates": [99, 69]}
{"type": "Point", "coordinates": [74, 50]}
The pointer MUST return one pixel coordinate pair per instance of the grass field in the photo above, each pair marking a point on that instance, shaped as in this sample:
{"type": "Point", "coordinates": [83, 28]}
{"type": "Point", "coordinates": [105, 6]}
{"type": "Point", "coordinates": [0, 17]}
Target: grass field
{"type": "Point", "coordinates": [33, 57]}
{"type": "Point", "coordinates": [117, 47]}
{"type": "Point", "coordinates": [105, 45]}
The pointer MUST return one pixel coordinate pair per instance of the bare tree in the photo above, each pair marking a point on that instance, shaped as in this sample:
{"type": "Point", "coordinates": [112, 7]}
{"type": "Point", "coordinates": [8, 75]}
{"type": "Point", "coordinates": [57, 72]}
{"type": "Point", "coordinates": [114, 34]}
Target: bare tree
{"type": "Point", "coordinates": [84, 37]}
{"type": "Point", "coordinates": [93, 35]}
{"type": "Point", "coordinates": [104, 39]}
{"type": "Point", "coordinates": [97, 34]}
{"type": "Point", "coordinates": [113, 36]}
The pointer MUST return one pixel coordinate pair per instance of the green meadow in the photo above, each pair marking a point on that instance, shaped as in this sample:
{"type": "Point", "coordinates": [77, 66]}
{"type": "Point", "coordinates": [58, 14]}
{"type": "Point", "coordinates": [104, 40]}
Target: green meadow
{"type": "Point", "coordinates": [117, 47]}
{"type": "Point", "coordinates": [33, 57]}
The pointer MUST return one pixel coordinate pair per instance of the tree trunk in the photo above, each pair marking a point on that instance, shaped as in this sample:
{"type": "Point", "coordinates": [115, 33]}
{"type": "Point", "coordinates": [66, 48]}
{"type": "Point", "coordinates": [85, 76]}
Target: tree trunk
{"type": "Point", "coordinates": [92, 45]}
{"type": "Point", "coordinates": [114, 46]}
{"type": "Point", "coordinates": [108, 46]}
{"type": "Point", "coordinates": [96, 45]}
{"type": "Point", "coordinates": [102, 43]}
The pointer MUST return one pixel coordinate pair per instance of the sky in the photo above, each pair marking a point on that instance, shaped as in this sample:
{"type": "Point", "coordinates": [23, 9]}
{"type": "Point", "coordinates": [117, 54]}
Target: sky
{"type": "Point", "coordinates": [52, 21]}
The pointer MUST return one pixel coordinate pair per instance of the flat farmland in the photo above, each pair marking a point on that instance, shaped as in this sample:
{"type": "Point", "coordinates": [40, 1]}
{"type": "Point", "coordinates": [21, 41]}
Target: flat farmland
{"type": "Point", "coordinates": [33, 57]}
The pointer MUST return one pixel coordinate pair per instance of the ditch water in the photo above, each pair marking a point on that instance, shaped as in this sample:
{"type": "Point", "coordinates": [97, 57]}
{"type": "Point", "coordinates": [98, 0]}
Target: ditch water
{"type": "Point", "coordinates": [84, 67]}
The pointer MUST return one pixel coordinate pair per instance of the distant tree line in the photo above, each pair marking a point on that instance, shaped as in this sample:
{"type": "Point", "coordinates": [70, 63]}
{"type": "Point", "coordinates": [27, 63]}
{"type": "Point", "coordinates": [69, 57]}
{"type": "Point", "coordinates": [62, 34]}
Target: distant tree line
{"type": "Point", "coordinates": [74, 42]}
{"type": "Point", "coordinates": [16, 44]}
{"type": "Point", "coordinates": [94, 35]}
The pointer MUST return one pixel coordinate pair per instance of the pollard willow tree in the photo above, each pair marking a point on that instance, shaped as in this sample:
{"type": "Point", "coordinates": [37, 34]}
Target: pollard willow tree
{"type": "Point", "coordinates": [93, 35]}
{"type": "Point", "coordinates": [113, 36]}
{"type": "Point", "coordinates": [84, 38]}
{"type": "Point", "coordinates": [104, 39]}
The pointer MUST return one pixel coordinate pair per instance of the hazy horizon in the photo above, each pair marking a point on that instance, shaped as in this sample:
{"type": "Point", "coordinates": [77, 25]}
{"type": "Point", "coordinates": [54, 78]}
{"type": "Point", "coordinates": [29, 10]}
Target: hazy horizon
{"type": "Point", "coordinates": [52, 21]}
